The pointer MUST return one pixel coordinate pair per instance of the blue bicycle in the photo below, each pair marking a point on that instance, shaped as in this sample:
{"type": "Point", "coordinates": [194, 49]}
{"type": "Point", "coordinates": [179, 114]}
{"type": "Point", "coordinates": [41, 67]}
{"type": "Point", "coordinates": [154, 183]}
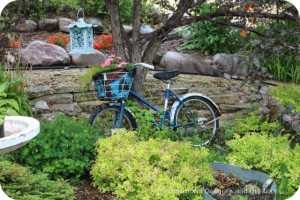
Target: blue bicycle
{"type": "Point", "coordinates": [193, 113]}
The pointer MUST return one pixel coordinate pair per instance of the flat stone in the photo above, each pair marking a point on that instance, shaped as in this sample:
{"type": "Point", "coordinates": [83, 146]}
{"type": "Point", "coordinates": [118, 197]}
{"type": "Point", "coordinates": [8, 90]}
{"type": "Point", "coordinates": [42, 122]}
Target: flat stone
{"type": "Point", "coordinates": [69, 109]}
{"type": "Point", "coordinates": [225, 99]}
{"type": "Point", "coordinates": [68, 87]}
{"type": "Point", "coordinates": [89, 106]}
{"type": "Point", "coordinates": [83, 97]}
{"type": "Point", "coordinates": [57, 98]}
{"type": "Point", "coordinates": [237, 107]}
{"type": "Point", "coordinates": [38, 91]}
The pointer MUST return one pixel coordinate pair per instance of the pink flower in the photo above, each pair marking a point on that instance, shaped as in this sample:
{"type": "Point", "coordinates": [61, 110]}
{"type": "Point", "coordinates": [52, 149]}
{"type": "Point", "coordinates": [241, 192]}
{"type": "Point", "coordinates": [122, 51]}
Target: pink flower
{"type": "Point", "coordinates": [122, 63]}
{"type": "Point", "coordinates": [107, 62]}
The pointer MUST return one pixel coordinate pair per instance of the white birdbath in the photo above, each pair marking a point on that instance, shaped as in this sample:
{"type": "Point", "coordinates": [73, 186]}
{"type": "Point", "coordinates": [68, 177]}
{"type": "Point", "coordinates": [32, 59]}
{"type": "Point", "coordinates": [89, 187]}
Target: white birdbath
{"type": "Point", "coordinates": [18, 131]}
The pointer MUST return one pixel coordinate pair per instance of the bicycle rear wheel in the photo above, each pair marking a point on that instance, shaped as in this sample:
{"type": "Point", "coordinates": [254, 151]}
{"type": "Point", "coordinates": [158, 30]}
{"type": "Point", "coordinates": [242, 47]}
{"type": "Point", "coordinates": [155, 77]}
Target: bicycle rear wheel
{"type": "Point", "coordinates": [196, 119]}
{"type": "Point", "coordinates": [106, 118]}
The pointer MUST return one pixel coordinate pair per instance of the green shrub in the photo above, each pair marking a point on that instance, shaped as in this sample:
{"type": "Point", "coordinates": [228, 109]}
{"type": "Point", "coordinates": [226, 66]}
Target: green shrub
{"type": "Point", "coordinates": [19, 182]}
{"type": "Point", "coordinates": [96, 8]}
{"type": "Point", "coordinates": [271, 155]}
{"type": "Point", "coordinates": [63, 149]}
{"type": "Point", "coordinates": [153, 169]}
{"type": "Point", "coordinates": [287, 95]}
{"type": "Point", "coordinates": [253, 124]}
{"type": "Point", "coordinates": [146, 127]}
{"type": "Point", "coordinates": [211, 38]}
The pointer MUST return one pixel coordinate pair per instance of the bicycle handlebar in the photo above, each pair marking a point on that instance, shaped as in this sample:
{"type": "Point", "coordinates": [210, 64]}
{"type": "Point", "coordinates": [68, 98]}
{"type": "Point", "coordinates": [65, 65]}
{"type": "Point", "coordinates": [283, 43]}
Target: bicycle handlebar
{"type": "Point", "coordinates": [148, 66]}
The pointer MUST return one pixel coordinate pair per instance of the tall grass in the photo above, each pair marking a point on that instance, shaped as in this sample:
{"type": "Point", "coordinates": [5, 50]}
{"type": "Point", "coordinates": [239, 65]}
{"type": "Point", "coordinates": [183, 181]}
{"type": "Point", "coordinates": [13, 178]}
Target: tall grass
{"type": "Point", "coordinates": [285, 69]}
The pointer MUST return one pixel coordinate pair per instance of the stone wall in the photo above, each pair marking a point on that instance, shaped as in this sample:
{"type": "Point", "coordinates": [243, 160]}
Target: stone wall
{"type": "Point", "coordinates": [54, 90]}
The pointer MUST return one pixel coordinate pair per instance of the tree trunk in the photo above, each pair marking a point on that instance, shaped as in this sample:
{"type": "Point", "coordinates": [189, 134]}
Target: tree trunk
{"type": "Point", "coordinates": [115, 20]}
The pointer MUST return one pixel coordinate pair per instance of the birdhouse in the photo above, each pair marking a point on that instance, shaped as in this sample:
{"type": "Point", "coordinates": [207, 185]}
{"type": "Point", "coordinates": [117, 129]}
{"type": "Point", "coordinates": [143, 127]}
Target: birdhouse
{"type": "Point", "coordinates": [81, 36]}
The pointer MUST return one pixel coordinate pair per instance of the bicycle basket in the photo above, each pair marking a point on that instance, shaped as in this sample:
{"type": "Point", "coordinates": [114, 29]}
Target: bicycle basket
{"type": "Point", "coordinates": [113, 85]}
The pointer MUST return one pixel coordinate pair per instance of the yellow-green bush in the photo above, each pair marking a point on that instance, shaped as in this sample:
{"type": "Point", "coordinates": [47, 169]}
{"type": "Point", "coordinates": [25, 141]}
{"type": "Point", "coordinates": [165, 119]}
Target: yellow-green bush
{"type": "Point", "coordinates": [20, 183]}
{"type": "Point", "coordinates": [288, 94]}
{"type": "Point", "coordinates": [152, 169]}
{"type": "Point", "coordinates": [271, 155]}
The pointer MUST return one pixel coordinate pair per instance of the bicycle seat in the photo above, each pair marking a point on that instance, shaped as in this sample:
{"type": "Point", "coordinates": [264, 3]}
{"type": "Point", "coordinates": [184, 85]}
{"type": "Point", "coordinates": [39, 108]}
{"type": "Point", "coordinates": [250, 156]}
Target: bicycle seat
{"type": "Point", "coordinates": [166, 75]}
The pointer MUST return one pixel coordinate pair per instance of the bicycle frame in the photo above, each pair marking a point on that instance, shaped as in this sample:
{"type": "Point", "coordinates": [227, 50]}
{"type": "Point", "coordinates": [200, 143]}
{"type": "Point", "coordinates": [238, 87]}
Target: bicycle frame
{"type": "Point", "coordinates": [168, 94]}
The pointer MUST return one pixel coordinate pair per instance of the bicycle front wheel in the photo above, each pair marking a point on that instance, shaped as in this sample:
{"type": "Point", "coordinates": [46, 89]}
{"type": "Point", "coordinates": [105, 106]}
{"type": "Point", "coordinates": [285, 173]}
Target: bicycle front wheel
{"type": "Point", "coordinates": [107, 117]}
{"type": "Point", "coordinates": [196, 119]}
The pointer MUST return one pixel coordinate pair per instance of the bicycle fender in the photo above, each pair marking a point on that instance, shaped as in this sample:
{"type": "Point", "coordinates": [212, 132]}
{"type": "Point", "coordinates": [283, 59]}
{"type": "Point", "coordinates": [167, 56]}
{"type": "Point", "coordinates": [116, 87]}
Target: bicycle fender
{"type": "Point", "coordinates": [185, 96]}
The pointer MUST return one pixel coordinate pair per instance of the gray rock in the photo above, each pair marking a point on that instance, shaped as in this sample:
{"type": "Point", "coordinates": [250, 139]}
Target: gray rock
{"type": "Point", "coordinates": [69, 109]}
{"type": "Point", "coordinates": [26, 26]}
{"type": "Point", "coordinates": [229, 63]}
{"type": "Point", "coordinates": [186, 63]}
{"type": "Point", "coordinates": [95, 21]}
{"type": "Point", "coordinates": [38, 91]}
{"type": "Point", "coordinates": [146, 29]}
{"type": "Point", "coordinates": [63, 22]}
{"type": "Point", "coordinates": [48, 25]}
{"type": "Point", "coordinates": [44, 54]}
{"type": "Point", "coordinates": [41, 105]}
{"type": "Point", "coordinates": [88, 59]}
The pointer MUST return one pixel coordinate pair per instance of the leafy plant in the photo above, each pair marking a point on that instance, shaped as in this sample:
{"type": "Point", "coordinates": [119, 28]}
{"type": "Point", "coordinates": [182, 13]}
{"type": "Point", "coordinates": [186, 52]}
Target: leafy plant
{"type": "Point", "coordinates": [19, 182]}
{"type": "Point", "coordinates": [8, 107]}
{"type": "Point", "coordinates": [278, 51]}
{"type": "Point", "coordinates": [152, 169]}
{"type": "Point", "coordinates": [271, 155]}
{"type": "Point", "coordinates": [211, 38]}
{"type": "Point", "coordinates": [14, 89]}
{"type": "Point", "coordinates": [63, 149]}
{"type": "Point", "coordinates": [147, 123]}
{"type": "Point", "coordinates": [98, 8]}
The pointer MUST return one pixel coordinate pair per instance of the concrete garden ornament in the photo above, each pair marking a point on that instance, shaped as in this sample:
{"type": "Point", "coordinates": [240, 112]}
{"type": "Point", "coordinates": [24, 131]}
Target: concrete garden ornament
{"type": "Point", "coordinates": [3, 3]}
{"type": "Point", "coordinates": [81, 36]}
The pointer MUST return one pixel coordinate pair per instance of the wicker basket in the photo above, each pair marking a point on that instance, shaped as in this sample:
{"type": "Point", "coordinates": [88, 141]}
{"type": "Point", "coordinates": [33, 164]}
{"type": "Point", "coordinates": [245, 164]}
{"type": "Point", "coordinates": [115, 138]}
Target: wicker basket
{"type": "Point", "coordinates": [113, 85]}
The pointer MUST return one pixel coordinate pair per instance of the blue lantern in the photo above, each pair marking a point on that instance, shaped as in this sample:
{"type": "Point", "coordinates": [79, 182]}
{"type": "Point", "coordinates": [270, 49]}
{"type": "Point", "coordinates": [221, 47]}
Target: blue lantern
{"type": "Point", "coordinates": [81, 36]}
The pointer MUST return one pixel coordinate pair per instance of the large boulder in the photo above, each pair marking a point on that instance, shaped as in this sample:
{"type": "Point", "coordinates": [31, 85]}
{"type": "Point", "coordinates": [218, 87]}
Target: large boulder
{"type": "Point", "coordinates": [63, 22]}
{"type": "Point", "coordinates": [48, 25]}
{"type": "Point", "coordinates": [97, 22]}
{"type": "Point", "coordinates": [88, 59]}
{"type": "Point", "coordinates": [229, 63]}
{"type": "Point", "coordinates": [146, 29]}
{"type": "Point", "coordinates": [186, 63]}
{"type": "Point", "coordinates": [39, 53]}
{"type": "Point", "coordinates": [26, 26]}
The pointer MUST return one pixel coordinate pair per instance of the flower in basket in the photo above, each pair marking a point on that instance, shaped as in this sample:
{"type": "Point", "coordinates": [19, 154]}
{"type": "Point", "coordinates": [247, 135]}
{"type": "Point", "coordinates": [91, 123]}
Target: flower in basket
{"type": "Point", "coordinates": [110, 64]}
